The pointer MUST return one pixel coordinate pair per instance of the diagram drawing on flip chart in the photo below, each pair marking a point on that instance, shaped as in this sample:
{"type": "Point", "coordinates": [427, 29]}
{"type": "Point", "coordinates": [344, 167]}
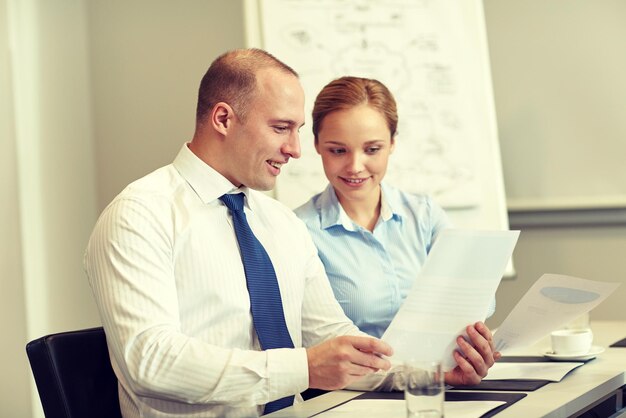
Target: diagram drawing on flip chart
{"type": "Point", "coordinates": [433, 56]}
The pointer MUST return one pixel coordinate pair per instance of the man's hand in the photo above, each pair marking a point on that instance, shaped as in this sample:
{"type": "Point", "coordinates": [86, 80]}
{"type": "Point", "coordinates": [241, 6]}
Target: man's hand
{"type": "Point", "coordinates": [336, 363]}
{"type": "Point", "coordinates": [477, 356]}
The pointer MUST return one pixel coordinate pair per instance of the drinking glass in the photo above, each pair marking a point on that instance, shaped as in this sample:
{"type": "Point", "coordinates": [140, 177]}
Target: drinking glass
{"type": "Point", "coordinates": [424, 389]}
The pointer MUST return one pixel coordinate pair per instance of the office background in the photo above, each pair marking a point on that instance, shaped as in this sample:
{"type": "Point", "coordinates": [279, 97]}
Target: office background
{"type": "Point", "coordinates": [95, 94]}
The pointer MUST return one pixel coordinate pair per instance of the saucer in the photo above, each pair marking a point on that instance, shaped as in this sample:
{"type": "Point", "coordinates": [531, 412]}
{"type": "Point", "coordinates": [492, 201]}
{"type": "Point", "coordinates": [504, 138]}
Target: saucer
{"type": "Point", "coordinates": [592, 353]}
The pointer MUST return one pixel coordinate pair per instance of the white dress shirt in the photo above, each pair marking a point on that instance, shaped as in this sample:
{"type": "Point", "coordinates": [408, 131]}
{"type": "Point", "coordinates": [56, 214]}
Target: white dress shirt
{"type": "Point", "coordinates": [165, 269]}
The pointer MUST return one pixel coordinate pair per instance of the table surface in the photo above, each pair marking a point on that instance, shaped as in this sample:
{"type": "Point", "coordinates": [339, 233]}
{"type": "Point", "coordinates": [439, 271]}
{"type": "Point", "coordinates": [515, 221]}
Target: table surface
{"type": "Point", "coordinates": [580, 388]}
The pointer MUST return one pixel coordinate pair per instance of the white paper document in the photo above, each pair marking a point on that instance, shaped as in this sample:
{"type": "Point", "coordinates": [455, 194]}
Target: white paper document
{"type": "Point", "coordinates": [552, 371]}
{"type": "Point", "coordinates": [394, 408]}
{"type": "Point", "coordinates": [454, 289]}
{"type": "Point", "coordinates": [553, 301]}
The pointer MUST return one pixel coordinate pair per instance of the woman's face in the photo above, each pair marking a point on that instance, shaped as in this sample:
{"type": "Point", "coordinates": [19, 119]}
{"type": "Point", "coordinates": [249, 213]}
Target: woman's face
{"type": "Point", "coordinates": [355, 145]}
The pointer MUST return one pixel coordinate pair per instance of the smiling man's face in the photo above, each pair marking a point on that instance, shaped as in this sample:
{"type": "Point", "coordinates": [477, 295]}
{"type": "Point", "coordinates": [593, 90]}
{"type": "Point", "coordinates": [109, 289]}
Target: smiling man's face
{"type": "Point", "coordinates": [268, 137]}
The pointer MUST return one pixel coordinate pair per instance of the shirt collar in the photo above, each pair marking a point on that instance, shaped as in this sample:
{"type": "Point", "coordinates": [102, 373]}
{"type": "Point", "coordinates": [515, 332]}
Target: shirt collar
{"type": "Point", "coordinates": [330, 209]}
{"type": "Point", "coordinates": [332, 213]}
{"type": "Point", "coordinates": [391, 204]}
{"type": "Point", "coordinates": [208, 184]}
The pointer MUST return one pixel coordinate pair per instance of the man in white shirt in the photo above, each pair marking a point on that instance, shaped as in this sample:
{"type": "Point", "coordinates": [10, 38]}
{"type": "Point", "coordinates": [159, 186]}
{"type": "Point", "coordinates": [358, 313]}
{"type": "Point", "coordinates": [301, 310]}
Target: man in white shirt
{"type": "Point", "coordinates": [167, 274]}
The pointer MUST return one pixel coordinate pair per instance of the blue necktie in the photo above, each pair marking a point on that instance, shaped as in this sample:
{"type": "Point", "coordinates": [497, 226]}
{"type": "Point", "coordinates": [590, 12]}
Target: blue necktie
{"type": "Point", "coordinates": [265, 301]}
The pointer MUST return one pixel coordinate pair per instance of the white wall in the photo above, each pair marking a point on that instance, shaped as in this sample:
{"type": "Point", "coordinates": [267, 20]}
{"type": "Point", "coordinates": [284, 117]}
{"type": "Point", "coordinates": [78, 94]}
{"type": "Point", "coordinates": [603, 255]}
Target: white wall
{"type": "Point", "coordinates": [147, 59]}
{"type": "Point", "coordinates": [14, 387]}
{"type": "Point", "coordinates": [558, 71]}
{"type": "Point", "coordinates": [50, 191]}
{"type": "Point", "coordinates": [61, 149]}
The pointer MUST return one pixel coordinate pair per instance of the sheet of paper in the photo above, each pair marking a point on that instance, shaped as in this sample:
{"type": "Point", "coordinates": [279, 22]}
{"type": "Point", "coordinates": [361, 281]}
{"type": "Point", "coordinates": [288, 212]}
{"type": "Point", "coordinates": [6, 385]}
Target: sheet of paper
{"type": "Point", "coordinates": [454, 289]}
{"type": "Point", "coordinates": [553, 372]}
{"type": "Point", "coordinates": [553, 301]}
{"type": "Point", "coordinates": [393, 408]}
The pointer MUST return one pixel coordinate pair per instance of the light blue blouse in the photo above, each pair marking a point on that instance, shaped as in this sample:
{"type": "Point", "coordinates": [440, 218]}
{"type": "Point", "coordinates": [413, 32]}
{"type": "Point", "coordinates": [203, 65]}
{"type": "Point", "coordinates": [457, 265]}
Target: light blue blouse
{"type": "Point", "coordinates": [371, 273]}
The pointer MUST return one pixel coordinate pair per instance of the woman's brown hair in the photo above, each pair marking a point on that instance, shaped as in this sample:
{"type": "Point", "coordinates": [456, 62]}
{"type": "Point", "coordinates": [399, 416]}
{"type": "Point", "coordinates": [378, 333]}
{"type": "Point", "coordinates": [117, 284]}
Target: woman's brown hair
{"type": "Point", "coordinates": [348, 92]}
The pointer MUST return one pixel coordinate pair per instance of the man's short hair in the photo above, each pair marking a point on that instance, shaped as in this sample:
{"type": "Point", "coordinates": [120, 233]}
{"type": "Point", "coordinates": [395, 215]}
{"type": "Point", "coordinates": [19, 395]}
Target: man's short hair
{"type": "Point", "coordinates": [231, 78]}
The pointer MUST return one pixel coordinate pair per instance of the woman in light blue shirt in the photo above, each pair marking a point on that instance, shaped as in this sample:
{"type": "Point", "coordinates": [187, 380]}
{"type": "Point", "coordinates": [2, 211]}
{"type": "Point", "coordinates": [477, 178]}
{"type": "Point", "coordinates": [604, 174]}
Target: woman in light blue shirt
{"type": "Point", "coordinates": [372, 238]}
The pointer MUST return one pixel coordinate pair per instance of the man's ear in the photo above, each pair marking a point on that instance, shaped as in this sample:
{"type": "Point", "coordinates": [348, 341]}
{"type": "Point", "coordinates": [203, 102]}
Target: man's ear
{"type": "Point", "coordinates": [222, 117]}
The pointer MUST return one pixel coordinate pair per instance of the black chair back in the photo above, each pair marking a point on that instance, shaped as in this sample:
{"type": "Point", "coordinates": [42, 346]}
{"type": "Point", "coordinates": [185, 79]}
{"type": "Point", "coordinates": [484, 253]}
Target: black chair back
{"type": "Point", "coordinates": [73, 374]}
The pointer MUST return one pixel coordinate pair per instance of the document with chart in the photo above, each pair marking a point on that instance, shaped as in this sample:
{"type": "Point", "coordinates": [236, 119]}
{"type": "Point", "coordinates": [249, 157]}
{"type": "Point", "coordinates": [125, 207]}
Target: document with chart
{"type": "Point", "coordinates": [550, 303]}
{"type": "Point", "coordinates": [454, 289]}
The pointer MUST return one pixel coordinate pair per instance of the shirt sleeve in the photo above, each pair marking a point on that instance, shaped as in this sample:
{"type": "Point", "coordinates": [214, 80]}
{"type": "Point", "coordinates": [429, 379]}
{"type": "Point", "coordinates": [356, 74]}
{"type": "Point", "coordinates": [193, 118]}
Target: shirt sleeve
{"type": "Point", "coordinates": [130, 265]}
{"type": "Point", "coordinates": [439, 220]}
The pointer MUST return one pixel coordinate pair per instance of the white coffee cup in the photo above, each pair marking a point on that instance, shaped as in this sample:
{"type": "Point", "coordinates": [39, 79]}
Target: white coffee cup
{"type": "Point", "coordinates": [571, 342]}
